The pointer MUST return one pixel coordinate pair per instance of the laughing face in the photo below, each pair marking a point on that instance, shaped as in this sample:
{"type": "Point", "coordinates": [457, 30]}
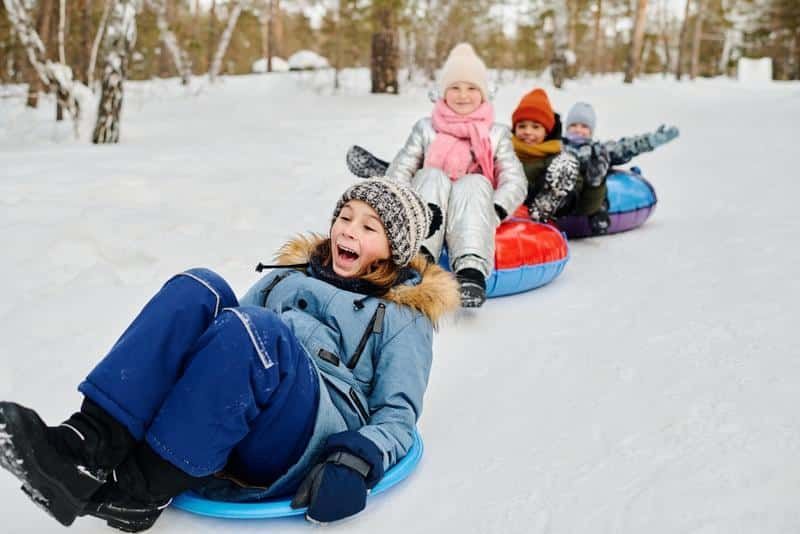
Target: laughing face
{"type": "Point", "coordinates": [463, 97]}
{"type": "Point", "coordinates": [357, 239]}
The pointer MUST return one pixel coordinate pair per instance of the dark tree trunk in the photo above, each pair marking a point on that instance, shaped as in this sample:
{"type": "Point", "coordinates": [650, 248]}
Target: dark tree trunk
{"type": "Point", "coordinates": [385, 56]}
{"type": "Point", "coordinates": [596, 49]}
{"type": "Point", "coordinates": [635, 50]}
{"type": "Point", "coordinates": [85, 42]}
{"type": "Point", "coordinates": [682, 41]}
{"type": "Point", "coordinates": [212, 33]}
{"type": "Point", "coordinates": [696, 39]}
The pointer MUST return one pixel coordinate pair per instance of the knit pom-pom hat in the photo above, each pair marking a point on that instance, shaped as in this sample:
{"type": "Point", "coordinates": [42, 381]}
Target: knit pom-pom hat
{"type": "Point", "coordinates": [407, 219]}
{"type": "Point", "coordinates": [464, 65]}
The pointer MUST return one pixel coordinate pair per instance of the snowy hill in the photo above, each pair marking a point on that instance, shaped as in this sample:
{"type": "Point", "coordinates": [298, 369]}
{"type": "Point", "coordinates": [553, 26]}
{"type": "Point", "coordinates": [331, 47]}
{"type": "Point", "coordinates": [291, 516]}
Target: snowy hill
{"type": "Point", "coordinates": [652, 388]}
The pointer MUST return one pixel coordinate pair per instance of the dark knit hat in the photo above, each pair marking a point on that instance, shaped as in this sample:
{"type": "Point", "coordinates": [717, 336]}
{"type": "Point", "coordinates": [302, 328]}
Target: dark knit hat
{"type": "Point", "coordinates": [535, 106]}
{"type": "Point", "coordinates": [407, 219]}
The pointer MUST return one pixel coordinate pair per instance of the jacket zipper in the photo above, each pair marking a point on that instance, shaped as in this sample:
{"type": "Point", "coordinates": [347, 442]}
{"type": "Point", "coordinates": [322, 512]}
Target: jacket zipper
{"type": "Point", "coordinates": [375, 326]}
{"type": "Point", "coordinates": [275, 281]}
{"type": "Point", "coordinates": [358, 405]}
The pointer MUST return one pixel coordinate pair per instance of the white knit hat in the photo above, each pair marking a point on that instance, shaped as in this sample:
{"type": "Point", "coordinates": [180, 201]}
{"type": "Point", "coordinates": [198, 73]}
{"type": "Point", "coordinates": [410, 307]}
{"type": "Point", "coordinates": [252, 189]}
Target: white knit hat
{"type": "Point", "coordinates": [464, 65]}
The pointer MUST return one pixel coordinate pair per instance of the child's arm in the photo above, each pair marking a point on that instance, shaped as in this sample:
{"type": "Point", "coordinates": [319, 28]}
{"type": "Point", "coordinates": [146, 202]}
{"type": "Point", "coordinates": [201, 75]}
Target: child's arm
{"type": "Point", "coordinates": [625, 149]}
{"type": "Point", "coordinates": [593, 159]}
{"type": "Point", "coordinates": [562, 173]}
{"type": "Point", "coordinates": [401, 377]}
{"type": "Point", "coordinates": [512, 185]}
{"type": "Point", "coordinates": [410, 158]}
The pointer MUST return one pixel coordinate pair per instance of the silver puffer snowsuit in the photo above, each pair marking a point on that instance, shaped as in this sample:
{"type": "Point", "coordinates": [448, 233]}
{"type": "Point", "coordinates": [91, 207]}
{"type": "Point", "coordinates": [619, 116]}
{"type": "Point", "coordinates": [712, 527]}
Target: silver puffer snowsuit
{"type": "Point", "coordinates": [467, 203]}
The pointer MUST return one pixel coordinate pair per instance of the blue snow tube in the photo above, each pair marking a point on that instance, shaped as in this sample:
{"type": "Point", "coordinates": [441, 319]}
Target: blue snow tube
{"type": "Point", "coordinates": [194, 503]}
{"type": "Point", "coordinates": [631, 201]}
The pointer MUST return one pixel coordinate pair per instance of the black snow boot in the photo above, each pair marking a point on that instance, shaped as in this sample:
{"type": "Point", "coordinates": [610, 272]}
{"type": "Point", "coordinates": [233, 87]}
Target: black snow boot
{"type": "Point", "coordinates": [61, 467]}
{"type": "Point", "coordinates": [140, 489]}
{"type": "Point", "coordinates": [599, 221]}
{"type": "Point", "coordinates": [472, 287]}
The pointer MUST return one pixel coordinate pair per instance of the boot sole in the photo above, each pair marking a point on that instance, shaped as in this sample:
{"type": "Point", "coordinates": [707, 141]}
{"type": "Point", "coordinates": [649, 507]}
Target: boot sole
{"type": "Point", "coordinates": [134, 524]}
{"type": "Point", "coordinates": [45, 491]}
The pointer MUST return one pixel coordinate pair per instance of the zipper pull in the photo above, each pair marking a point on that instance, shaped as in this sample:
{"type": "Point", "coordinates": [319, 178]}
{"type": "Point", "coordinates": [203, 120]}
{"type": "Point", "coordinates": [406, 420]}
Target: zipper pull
{"type": "Point", "coordinates": [377, 325]}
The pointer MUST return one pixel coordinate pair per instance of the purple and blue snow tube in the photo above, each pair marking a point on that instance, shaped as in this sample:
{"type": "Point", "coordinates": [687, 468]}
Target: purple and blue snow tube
{"type": "Point", "coordinates": [631, 201]}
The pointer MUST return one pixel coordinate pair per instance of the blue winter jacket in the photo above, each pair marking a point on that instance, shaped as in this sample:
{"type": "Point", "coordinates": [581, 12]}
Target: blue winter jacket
{"type": "Point", "coordinates": [373, 354]}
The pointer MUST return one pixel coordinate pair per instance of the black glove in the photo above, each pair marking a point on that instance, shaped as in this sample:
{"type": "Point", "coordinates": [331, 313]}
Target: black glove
{"type": "Point", "coordinates": [337, 487]}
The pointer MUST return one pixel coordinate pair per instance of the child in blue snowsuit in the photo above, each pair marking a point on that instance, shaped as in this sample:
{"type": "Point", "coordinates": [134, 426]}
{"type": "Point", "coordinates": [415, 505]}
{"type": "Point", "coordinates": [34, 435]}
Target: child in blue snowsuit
{"type": "Point", "coordinates": [596, 159]}
{"type": "Point", "coordinates": [310, 385]}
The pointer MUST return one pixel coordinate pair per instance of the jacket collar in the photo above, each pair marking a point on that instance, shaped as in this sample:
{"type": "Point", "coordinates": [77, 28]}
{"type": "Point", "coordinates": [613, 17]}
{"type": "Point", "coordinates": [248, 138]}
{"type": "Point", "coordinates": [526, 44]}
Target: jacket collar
{"type": "Point", "coordinates": [432, 291]}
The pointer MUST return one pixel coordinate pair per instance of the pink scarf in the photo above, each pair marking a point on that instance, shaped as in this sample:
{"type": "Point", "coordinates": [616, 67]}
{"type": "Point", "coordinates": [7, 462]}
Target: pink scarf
{"type": "Point", "coordinates": [458, 137]}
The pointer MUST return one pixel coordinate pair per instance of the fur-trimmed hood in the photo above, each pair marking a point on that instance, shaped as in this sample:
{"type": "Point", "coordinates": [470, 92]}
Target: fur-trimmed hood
{"type": "Point", "coordinates": [436, 295]}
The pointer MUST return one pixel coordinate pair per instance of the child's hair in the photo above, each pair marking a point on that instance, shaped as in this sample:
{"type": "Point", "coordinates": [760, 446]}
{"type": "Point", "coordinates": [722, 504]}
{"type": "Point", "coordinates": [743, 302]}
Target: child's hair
{"type": "Point", "coordinates": [381, 273]}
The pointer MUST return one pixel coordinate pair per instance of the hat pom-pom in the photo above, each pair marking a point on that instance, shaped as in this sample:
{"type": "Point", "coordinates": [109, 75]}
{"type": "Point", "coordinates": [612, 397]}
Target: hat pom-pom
{"type": "Point", "coordinates": [436, 219]}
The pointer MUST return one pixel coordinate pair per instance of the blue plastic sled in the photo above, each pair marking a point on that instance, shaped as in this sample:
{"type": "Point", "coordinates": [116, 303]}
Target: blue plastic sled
{"type": "Point", "coordinates": [191, 502]}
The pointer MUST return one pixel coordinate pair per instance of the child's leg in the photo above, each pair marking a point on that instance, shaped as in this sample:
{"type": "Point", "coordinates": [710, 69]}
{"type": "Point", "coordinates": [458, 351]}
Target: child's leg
{"type": "Point", "coordinates": [470, 225]}
{"type": "Point", "coordinates": [133, 379]}
{"type": "Point", "coordinates": [247, 384]}
{"type": "Point", "coordinates": [434, 186]}
{"type": "Point", "coordinates": [61, 467]}
{"type": "Point", "coordinates": [248, 369]}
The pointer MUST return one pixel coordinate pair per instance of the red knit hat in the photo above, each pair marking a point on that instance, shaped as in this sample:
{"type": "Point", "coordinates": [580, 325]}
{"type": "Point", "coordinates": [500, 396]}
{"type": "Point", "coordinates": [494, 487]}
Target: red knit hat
{"type": "Point", "coordinates": [535, 106]}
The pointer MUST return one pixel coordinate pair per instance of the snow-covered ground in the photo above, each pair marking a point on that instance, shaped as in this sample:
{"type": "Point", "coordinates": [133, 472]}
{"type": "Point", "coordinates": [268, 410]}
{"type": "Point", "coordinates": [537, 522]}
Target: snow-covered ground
{"type": "Point", "coordinates": [653, 388]}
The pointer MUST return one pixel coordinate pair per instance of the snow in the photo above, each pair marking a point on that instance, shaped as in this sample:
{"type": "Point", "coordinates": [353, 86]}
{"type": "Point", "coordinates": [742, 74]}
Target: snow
{"type": "Point", "coordinates": [754, 69]}
{"type": "Point", "coordinates": [652, 388]}
{"type": "Point", "coordinates": [306, 59]}
{"type": "Point", "coordinates": [278, 65]}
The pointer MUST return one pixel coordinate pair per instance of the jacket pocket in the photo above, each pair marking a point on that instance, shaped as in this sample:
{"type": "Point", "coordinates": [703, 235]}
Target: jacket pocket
{"type": "Point", "coordinates": [328, 356]}
{"type": "Point", "coordinates": [350, 396]}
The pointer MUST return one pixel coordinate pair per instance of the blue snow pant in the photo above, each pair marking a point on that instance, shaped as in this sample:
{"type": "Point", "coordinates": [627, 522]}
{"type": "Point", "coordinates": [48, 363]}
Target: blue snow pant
{"type": "Point", "coordinates": [205, 381]}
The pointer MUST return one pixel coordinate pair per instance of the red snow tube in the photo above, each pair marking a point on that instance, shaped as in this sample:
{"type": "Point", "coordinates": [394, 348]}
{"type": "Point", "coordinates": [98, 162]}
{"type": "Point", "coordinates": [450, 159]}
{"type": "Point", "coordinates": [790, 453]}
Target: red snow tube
{"type": "Point", "coordinates": [527, 255]}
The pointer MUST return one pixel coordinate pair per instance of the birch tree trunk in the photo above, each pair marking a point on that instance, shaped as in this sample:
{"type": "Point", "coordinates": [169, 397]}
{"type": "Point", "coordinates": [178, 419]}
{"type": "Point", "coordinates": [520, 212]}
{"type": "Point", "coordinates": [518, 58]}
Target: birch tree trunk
{"type": "Point", "coordinates": [635, 50]}
{"type": "Point", "coordinates": [120, 38]}
{"type": "Point", "coordinates": [43, 28]}
{"type": "Point", "coordinates": [179, 56]}
{"type": "Point", "coordinates": [54, 75]}
{"type": "Point", "coordinates": [698, 32]}
{"type": "Point", "coordinates": [98, 37]}
{"type": "Point", "coordinates": [682, 41]}
{"type": "Point", "coordinates": [725, 55]}
{"type": "Point", "coordinates": [224, 41]}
